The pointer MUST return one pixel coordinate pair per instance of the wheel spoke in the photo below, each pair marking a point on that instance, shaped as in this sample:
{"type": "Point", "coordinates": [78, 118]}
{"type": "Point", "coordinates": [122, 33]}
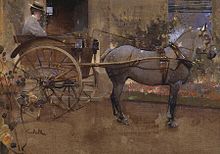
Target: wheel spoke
{"type": "Point", "coordinates": [50, 58]}
{"type": "Point", "coordinates": [58, 97]}
{"type": "Point", "coordinates": [38, 58]}
{"type": "Point", "coordinates": [62, 74]}
{"type": "Point", "coordinates": [32, 65]}
{"type": "Point", "coordinates": [74, 92]}
{"type": "Point", "coordinates": [63, 60]}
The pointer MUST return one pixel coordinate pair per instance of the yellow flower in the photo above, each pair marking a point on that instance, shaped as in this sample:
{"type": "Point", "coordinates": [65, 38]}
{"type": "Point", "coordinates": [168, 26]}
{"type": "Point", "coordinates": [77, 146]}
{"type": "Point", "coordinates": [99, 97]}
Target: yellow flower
{"type": "Point", "coordinates": [4, 129]}
{"type": "Point", "coordinates": [5, 136]}
{"type": "Point", "coordinates": [7, 139]}
{"type": "Point", "coordinates": [32, 98]}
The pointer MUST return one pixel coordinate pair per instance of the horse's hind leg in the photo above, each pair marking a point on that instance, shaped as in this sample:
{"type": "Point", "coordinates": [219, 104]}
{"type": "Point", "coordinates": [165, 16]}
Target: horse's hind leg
{"type": "Point", "coordinates": [115, 99]}
{"type": "Point", "coordinates": [174, 89]}
{"type": "Point", "coordinates": [113, 104]}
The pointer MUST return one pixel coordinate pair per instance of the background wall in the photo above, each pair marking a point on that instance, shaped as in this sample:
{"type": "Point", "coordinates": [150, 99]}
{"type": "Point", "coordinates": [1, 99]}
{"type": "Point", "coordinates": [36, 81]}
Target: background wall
{"type": "Point", "coordinates": [105, 15]}
{"type": "Point", "coordinates": [12, 14]}
{"type": "Point", "coordinates": [12, 17]}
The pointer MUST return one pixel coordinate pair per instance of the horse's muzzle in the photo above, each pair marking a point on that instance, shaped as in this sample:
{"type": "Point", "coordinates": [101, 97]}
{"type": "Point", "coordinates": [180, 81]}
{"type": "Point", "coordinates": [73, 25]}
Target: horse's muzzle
{"type": "Point", "coordinates": [212, 54]}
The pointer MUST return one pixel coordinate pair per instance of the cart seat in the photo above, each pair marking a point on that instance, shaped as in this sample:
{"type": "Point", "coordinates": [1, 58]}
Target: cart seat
{"type": "Point", "coordinates": [22, 38]}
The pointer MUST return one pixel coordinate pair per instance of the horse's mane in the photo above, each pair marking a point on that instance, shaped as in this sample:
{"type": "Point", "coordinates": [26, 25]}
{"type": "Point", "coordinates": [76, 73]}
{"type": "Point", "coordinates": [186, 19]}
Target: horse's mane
{"type": "Point", "coordinates": [184, 34]}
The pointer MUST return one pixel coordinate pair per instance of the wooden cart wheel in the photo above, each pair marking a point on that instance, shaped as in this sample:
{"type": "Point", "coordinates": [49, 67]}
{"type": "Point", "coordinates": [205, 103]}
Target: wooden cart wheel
{"type": "Point", "coordinates": [48, 75]}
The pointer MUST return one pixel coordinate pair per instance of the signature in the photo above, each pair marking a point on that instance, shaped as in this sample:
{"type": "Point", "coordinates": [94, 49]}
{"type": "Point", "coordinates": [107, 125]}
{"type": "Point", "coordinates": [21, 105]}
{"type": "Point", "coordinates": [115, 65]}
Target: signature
{"type": "Point", "coordinates": [36, 131]}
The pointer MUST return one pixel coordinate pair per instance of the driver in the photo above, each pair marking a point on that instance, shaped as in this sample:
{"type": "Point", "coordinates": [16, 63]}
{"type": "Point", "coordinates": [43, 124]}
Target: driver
{"type": "Point", "coordinates": [32, 25]}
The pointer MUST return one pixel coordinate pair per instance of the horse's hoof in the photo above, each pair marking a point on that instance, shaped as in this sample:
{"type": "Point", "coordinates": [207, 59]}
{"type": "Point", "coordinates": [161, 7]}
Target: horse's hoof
{"type": "Point", "coordinates": [38, 118]}
{"type": "Point", "coordinates": [54, 116]}
{"type": "Point", "coordinates": [123, 120]}
{"type": "Point", "coordinates": [172, 124]}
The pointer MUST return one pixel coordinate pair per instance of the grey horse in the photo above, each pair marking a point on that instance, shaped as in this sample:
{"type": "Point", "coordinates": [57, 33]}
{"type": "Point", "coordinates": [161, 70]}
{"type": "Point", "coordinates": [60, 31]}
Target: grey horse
{"type": "Point", "coordinates": [151, 68]}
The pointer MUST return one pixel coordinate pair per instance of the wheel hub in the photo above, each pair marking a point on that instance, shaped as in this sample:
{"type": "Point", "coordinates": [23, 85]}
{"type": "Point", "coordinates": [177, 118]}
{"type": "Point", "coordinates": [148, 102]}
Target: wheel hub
{"type": "Point", "coordinates": [47, 84]}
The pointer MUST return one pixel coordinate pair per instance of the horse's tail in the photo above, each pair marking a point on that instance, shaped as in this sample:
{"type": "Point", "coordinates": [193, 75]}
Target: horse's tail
{"type": "Point", "coordinates": [105, 54]}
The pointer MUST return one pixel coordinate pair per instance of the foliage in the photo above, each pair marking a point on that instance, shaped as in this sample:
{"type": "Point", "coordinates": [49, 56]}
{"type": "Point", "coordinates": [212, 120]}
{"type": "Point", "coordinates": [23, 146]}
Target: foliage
{"type": "Point", "coordinates": [152, 36]}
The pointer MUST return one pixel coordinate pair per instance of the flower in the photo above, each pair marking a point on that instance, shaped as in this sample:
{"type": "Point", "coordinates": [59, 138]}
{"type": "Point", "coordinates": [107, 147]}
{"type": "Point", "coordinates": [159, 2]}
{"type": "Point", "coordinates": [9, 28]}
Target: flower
{"type": "Point", "coordinates": [7, 139]}
{"type": "Point", "coordinates": [5, 136]}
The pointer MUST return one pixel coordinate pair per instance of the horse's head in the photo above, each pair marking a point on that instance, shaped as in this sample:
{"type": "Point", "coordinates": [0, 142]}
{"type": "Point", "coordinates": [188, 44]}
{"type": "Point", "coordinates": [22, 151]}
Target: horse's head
{"type": "Point", "coordinates": [198, 41]}
{"type": "Point", "coordinates": [203, 43]}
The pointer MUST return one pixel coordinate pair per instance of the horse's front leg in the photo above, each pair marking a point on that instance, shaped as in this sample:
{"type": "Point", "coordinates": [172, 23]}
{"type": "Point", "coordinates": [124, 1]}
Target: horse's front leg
{"type": "Point", "coordinates": [174, 89]}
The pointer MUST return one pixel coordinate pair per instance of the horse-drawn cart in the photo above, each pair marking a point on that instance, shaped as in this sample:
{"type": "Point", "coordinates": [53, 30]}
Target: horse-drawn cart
{"type": "Point", "coordinates": [52, 69]}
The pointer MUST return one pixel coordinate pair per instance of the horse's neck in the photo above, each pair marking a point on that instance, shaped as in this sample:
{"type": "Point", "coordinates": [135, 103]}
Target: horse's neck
{"type": "Point", "coordinates": [186, 43]}
{"type": "Point", "coordinates": [186, 52]}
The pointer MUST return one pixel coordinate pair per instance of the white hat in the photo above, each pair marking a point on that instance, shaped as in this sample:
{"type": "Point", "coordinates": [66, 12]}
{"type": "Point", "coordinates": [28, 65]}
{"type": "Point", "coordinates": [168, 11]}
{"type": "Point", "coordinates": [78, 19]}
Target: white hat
{"type": "Point", "coordinates": [37, 5]}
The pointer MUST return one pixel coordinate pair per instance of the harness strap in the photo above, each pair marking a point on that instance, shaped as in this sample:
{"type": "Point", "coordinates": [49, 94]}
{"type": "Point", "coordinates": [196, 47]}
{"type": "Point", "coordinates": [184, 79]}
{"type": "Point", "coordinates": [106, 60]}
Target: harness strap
{"type": "Point", "coordinates": [164, 66]}
{"type": "Point", "coordinates": [164, 61]}
{"type": "Point", "coordinates": [177, 51]}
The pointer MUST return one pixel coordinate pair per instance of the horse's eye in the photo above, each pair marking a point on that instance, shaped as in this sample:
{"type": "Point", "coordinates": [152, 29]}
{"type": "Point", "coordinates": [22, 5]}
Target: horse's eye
{"type": "Point", "coordinates": [200, 33]}
{"type": "Point", "coordinates": [198, 50]}
{"type": "Point", "coordinates": [206, 37]}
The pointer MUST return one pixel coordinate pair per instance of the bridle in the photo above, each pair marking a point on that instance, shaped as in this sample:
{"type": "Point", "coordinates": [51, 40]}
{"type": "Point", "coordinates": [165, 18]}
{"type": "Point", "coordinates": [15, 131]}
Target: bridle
{"type": "Point", "coordinates": [209, 48]}
{"type": "Point", "coordinates": [182, 59]}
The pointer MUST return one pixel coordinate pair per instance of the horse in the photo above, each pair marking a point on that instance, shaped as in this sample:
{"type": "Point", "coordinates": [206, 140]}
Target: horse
{"type": "Point", "coordinates": [150, 68]}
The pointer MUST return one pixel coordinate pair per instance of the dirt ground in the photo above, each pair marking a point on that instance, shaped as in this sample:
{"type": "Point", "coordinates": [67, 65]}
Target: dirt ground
{"type": "Point", "coordinates": [93, 130]}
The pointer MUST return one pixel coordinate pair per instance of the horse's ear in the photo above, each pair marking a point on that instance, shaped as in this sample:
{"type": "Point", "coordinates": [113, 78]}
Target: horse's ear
{"type": "Point", "coordinates": [204, 27]}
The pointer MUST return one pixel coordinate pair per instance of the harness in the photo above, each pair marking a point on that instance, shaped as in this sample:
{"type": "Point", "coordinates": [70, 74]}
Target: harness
{"type": "Point", "coordinates": [164, 64]}
{"type": "Point", "coordinates": [164, 60]}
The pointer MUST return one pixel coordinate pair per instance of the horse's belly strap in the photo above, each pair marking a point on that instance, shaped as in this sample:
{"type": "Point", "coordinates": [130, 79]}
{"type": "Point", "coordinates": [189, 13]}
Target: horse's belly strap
{"type": "Point", "coordinates": [164, 65]}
